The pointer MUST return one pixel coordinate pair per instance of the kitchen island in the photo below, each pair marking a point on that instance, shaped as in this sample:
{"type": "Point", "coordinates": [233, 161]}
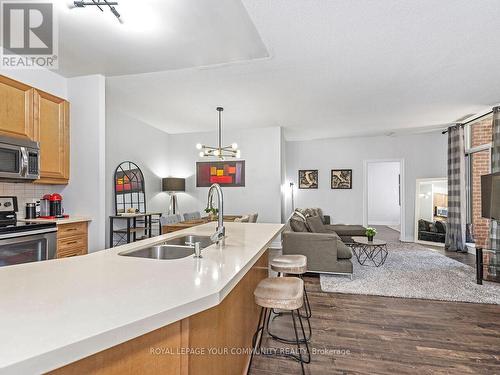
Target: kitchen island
{"type": "Point", "coordinates": [111, 314]}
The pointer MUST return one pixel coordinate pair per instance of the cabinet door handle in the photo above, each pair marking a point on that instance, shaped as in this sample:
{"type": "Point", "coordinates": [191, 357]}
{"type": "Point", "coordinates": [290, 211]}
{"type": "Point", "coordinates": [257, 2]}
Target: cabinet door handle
{"type": "Point", "coordinates": [71, 243]}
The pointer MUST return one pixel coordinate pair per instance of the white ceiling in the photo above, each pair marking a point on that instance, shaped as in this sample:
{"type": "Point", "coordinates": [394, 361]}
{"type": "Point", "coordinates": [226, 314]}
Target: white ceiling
{"type": "Point", "coordinates": [156, 35]}
{"type": "Point", "coordinates": [337, 68]}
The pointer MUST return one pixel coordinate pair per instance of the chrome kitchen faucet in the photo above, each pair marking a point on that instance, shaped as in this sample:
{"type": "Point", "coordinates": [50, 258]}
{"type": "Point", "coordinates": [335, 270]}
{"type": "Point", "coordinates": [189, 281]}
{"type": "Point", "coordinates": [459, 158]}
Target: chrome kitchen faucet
{"type": "Point", "coordinates": [219, 236]}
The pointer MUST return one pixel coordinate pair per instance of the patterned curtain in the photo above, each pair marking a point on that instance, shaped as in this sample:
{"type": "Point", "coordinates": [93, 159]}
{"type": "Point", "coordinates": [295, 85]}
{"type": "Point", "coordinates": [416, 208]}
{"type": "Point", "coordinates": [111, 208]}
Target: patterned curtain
{"type": "Point", "coordinates": [455, 232]}
{"type": "Point", "coordinates": [495, 167]}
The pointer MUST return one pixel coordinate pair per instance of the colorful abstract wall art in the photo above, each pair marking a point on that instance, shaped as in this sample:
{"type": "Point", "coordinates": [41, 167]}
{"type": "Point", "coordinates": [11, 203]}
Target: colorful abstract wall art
{"type": "Point", "coordinates": [224, 173]}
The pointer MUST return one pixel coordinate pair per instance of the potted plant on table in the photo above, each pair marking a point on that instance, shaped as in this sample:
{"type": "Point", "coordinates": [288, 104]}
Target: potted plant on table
{"type": "Point", "coordinates": [370, 233]}
{"type": "Point", "coordinates": [212, 213]}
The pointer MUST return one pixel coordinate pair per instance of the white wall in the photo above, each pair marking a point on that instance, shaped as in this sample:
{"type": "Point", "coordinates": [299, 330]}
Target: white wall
{"type": "Point", "coordinates": [424, 156]}
{"type": "Point", "coordinates": [84, 195]}
{"type": "Point", "coordinates": [128, 139]}
{"type": "Point", "coordinates": [261, 150]}
{"type": "Point", "coordinates": [41, 79]}
{"type": "Point", "coordinates": [383, 193]}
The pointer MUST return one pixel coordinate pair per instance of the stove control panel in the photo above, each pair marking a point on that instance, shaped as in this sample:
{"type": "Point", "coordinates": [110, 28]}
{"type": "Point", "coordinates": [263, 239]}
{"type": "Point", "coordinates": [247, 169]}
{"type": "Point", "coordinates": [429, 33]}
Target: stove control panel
{"type": "Point", "coordinates": [8, 204]}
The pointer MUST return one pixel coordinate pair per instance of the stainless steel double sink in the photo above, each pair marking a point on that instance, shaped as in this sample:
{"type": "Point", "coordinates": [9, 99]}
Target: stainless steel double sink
{"type": "Point", "coordinates": [174, 248]}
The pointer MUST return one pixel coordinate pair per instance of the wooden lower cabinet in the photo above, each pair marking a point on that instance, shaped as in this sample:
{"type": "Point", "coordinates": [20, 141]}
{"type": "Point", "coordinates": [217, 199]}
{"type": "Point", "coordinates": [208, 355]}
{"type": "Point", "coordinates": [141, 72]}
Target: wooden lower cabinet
{"type": "Point", "coordinates": [72, 239]}
{"type": "Point", "coordinates": [182, 348]}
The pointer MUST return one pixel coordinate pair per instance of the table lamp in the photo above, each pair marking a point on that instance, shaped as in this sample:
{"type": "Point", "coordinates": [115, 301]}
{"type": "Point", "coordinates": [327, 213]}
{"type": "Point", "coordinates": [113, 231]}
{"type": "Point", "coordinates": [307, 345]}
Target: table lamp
{"type": "Point", "coordinates": [173, 185]}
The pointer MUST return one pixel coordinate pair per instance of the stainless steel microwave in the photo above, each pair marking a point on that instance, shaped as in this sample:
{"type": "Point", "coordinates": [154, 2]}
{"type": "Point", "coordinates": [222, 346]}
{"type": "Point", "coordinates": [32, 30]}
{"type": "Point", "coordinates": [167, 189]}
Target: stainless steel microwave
{"type": "Point", "coordinates": [19, 159]}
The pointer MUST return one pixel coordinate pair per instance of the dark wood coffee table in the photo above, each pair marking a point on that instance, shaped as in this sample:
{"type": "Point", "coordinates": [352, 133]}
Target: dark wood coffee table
{"type": "Point", "coordinates": [374, 251]}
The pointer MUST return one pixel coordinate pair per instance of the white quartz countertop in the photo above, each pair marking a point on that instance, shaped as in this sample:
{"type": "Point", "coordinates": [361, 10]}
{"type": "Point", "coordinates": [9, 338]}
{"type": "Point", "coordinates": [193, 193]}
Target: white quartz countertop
{"type": "Point", "coordinates": [64, 220]}
{"type": "Point", "coordinates": [58, 311]}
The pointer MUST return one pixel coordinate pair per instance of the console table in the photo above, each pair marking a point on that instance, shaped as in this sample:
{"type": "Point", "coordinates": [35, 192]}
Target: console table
{"type": "Point", "coordinates": [169, 228]}
{"type": "Point", "coordinates": [129, 233]}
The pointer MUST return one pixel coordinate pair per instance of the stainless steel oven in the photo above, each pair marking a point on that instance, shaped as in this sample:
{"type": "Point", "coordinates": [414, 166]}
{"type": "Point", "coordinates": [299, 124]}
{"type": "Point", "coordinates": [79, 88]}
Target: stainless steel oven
{"type": "Point", "coordinates": [19, 159]}
{"type": "Point", "coordinates": [30, 246]}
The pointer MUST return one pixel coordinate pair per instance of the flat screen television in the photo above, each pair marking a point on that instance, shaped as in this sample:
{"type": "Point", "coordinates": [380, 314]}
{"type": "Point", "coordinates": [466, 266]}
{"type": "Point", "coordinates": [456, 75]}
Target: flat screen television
{"type": "Point", "coordinates": [490, 196]}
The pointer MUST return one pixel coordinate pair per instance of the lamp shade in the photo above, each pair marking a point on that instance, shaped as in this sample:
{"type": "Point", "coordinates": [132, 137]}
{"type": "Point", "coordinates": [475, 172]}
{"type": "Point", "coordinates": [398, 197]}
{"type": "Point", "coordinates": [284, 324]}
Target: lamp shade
{"type": "Point", "coordinates": [173, 184]}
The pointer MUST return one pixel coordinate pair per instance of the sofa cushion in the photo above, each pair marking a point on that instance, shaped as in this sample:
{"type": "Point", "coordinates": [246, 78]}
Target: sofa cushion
{"type": "Point", "coordinates": [316, 225]}
{"type": "Point", "coordinates": [348, 230]}
{"type": "Point", "coordinates": [440, 227]}
{"type": "Point", "coordinates": [298, 223]}
{"type": "Point", "coordinates": [307, 212]}
{"type": "Point", "coordinates": [424, 225]}
{"type": "Point", "coordinates": [343, 251]}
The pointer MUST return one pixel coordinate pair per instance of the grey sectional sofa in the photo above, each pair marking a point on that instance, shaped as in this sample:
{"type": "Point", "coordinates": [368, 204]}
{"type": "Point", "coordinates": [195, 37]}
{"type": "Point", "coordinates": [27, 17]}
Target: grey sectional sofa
{"type": "Point", "coordinates": [323, 244]}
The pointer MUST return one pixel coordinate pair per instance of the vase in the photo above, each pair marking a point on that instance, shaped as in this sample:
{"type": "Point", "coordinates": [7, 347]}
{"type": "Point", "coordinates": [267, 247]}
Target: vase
{"type": "Point", "coordinates": [370, 238]}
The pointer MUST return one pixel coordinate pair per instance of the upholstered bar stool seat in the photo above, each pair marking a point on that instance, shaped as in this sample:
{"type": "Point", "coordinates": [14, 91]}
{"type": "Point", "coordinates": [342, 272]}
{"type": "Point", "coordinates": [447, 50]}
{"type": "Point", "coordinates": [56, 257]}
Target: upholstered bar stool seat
{"type": "Point", "coordinates": [285, 293]}
{"type": "Point", "coordinates": [280, 293]}
{"type": "Point", "coordinates": [290, 264]}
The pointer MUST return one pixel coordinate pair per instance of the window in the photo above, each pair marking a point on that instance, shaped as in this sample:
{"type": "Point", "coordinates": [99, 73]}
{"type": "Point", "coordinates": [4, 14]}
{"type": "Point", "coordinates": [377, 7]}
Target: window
{"type": "Point", "coordinates": [478, 163]}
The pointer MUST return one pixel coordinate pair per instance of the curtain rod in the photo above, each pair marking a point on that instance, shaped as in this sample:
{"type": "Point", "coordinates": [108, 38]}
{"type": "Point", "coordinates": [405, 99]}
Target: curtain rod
{"type": "Point", "coordinates": [471, 120]}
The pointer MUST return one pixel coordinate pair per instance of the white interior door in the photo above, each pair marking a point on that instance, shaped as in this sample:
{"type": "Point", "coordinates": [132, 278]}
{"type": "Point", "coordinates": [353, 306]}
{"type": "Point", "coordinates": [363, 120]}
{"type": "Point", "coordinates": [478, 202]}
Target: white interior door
{"type": "Point", "coordinates": [383, 193]}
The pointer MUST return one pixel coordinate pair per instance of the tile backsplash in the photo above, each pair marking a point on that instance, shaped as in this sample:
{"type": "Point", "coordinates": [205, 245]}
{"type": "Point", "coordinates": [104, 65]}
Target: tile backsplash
{"type": "Point", "coordinates": [27, 192]}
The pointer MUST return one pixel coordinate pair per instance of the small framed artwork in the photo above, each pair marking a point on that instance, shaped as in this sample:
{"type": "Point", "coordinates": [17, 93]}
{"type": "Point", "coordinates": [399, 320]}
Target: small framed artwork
{"type": "Point", "coordinates": [308, 179]}
{"type": "Point", "coordinates": [341, 178]}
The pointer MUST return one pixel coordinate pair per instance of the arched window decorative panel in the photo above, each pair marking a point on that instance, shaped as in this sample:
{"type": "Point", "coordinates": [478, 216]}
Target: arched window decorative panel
{"type": "Point", "coordinates": [129, 189]}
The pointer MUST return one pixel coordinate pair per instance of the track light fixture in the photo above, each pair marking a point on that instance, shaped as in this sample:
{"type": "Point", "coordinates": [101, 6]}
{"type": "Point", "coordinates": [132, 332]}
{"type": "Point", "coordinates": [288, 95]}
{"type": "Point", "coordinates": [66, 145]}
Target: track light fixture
{"type": "Point", "coordinates": [99, 4]}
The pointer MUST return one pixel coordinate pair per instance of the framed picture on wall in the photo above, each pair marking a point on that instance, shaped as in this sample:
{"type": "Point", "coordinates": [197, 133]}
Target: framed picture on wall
{"type": "Point", "coordinates": [308, 179]}
{"type": "Point", "coordinates": [224, 173]}
{"type": "Point", "coordinates": [341, 178]}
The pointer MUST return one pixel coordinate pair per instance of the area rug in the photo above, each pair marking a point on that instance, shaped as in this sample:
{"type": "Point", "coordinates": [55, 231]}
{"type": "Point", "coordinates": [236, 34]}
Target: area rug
{"type": "Point", "coordinates": [413, 271]}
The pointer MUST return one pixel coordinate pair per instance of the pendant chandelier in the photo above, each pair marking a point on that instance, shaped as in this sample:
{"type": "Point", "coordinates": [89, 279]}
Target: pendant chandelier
{"type": "Point", "coordinates": [219, 151]}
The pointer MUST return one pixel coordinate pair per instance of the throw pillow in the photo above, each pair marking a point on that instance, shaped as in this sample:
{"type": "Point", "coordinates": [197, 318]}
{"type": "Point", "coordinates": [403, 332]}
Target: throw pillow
{"type": "Point", "coordinates": [320, 214]}
{"type": "Point", "coordinates": [440, 227]}
{"type": "Point", "coordinates": [298, 225]}
{"type": "Point", "coordinates": [298, 222]}
{"type": "Point", "coordinates": [316, 225]}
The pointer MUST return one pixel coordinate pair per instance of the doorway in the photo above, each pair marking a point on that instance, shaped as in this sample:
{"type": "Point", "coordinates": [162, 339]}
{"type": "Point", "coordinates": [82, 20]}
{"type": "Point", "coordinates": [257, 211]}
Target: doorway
{"type": "Point", "coordinates": [384, 194]}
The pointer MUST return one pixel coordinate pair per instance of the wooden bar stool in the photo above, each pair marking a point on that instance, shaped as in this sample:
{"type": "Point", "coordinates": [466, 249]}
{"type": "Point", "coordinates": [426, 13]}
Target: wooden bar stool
{"type": "Point", "coordinates": [284, 293]}
{"type": "Point", "coordinates": [295, 265]}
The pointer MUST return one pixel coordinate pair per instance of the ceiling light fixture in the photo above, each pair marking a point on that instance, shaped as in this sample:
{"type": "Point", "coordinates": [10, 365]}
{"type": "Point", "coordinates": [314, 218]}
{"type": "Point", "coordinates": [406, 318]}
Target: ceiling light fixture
{"type": "Point", "coordinates": [219, 152]}
{"type": "Point", "coordinates": [99, 4]}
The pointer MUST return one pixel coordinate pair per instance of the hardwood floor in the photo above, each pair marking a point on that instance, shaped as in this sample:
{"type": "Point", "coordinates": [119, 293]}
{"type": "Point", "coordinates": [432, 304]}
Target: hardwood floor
{"type": "Point", "coordinates": [384, 335]}
{"type": "Point", "coordinates": [356, 334]}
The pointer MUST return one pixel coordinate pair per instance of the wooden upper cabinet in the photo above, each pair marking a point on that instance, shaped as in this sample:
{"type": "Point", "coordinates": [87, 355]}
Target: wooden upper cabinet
{"type": "Point", "coordinates": [16, 109]}
{"type": "Point", "coordinates": [51, 120]}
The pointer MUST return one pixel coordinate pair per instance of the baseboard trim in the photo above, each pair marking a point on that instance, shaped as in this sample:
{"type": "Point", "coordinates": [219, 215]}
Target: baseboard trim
{"type": "Point", "coordinates": [276, 244]}
{"type": "Point", "coordinates": [471, 248]}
